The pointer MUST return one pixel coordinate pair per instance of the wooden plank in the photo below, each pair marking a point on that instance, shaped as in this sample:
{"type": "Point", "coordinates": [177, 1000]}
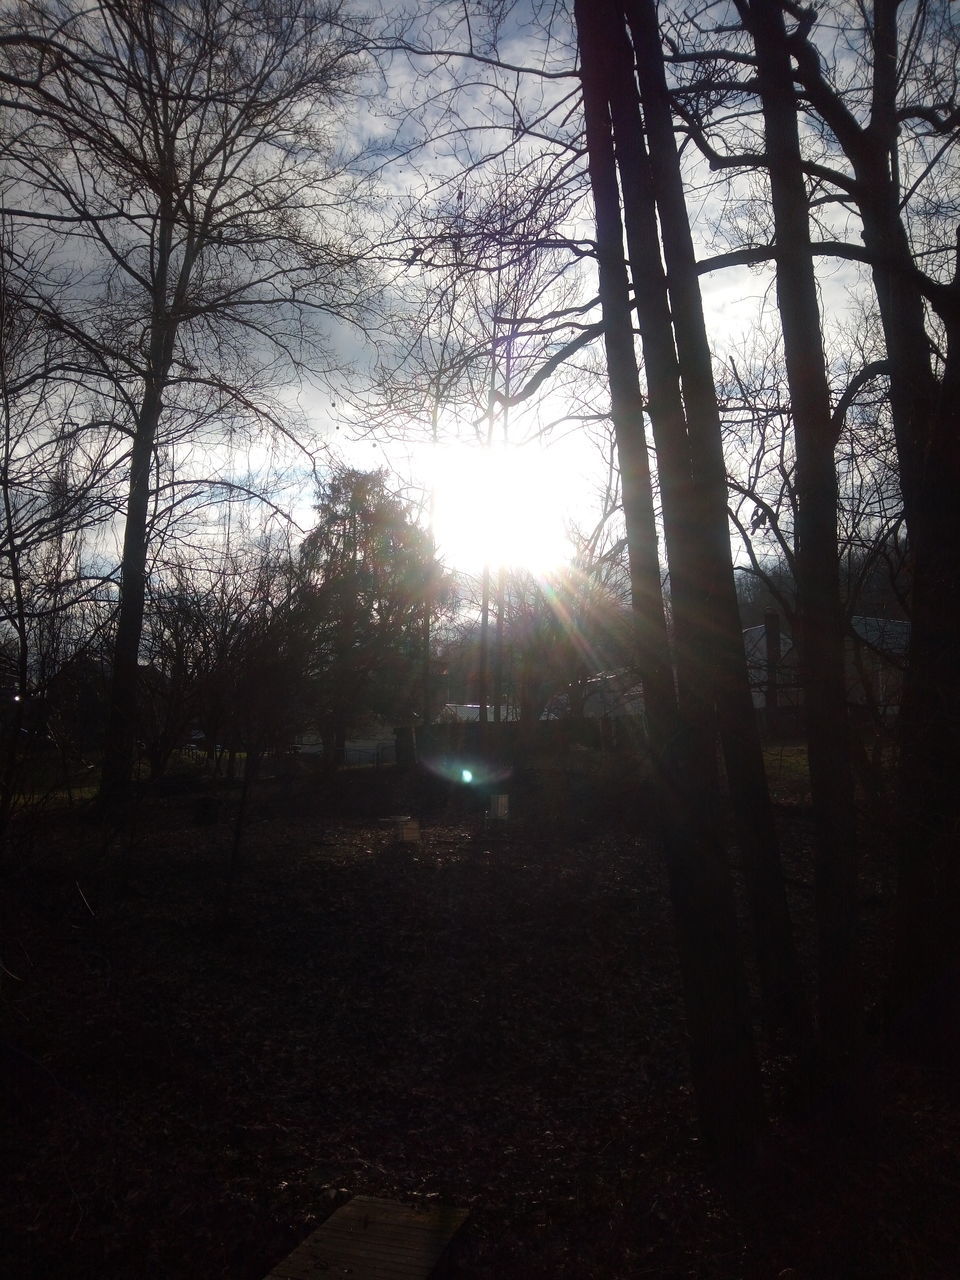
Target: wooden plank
{"type": "Point", "coordinates": [372, 1239]}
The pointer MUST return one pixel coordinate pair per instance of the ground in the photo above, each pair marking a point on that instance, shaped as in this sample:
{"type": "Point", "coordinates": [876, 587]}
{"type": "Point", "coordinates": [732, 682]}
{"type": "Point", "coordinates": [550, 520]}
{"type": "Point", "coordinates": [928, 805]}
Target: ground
{"type": "Point", "coordinates": [206, 1055]}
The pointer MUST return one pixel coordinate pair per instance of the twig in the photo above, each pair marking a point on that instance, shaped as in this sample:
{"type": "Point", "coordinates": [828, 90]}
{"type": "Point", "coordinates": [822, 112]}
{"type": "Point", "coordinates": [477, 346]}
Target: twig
{"type": "Point", "coordinates": [84, 897]}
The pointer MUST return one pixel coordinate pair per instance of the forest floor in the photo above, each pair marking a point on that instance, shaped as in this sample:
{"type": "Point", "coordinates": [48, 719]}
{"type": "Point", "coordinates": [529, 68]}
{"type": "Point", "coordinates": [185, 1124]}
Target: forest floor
{"type": "Point", "coordinates": [203, 1066]}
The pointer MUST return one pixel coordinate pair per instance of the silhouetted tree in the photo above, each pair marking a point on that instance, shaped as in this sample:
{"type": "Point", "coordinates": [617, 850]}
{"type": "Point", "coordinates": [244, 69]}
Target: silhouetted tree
{"type": "Point", "coordinates": [372, 572]}
{"type": "Point", "coordinates": [725, 1069]}
{"type": "Point", "coordinates": [195, 205]}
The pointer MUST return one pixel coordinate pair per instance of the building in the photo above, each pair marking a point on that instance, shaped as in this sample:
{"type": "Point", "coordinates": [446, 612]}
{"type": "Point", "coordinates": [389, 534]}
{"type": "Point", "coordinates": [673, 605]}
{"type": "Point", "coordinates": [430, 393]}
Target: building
{"type": "Point", "coordinates": [875, 657]}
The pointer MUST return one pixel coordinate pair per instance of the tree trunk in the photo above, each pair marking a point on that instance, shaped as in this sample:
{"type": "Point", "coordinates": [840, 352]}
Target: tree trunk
{"type": "Point", "coordinates": [483, 657]}
{"type": "Point", "coordinates": [924, 998]}
{"type": "Point", "coordinates": [498, 644]}
{"type": "Point", "coordinates": [724, 1066]}
{"type": "Point", "coordinates": [121, 737]}
{"type": "Point", "coordinates": [251, 772]}
{"type": "Point", "coordinates": [118, 755]}
{"type": "Point", "coordinates": [817, 557]}
{"type": "Point", "coordinates": [426, 669]}
{"type": "Point", "coordinates": [924, 1002]}
{"type": "Point", "coordinates": [925, 987]}
{"type": "Point", "coordinates": [715, 652]}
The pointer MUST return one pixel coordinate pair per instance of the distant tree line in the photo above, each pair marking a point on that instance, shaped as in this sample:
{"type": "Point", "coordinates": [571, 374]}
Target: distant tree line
{"type": "Point", "coordinates": [246, 646]}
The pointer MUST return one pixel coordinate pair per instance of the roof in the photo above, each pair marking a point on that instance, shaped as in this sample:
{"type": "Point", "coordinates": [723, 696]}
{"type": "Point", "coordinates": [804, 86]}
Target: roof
{"type": "Point", "coordinates": [755, 644]}
{"type": "Point", "coordinates": [465, 712]}
{"type": "Point", "coordinates": [609, 693]}
{"type": "Point", "coordinates": [890, 636]}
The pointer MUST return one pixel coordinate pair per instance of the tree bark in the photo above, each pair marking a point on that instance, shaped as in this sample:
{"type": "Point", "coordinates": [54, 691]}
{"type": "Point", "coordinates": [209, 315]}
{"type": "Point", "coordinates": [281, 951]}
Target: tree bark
{"type": "Point", "coordinates": [817, 557]}
{"type": "Point", "coordinates": [121, 737]}
{"type": "Point", "coordinates": [716, 650]}
{"type": "Point", "coordinates": [924, 996]}
{"type": "Point", "coordinates": [723, 1059]}
{"type": "Point", "coordinates": [120, 744]}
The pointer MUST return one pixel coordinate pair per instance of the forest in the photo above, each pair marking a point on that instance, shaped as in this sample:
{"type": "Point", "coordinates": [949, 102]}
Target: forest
{"type": "Point", "coordinates": [479, 714]}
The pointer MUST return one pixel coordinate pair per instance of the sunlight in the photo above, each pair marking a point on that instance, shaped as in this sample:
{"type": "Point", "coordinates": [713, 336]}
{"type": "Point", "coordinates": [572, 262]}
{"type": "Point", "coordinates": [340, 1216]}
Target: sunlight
{"type": "Point", "coordinates": [498, 506]}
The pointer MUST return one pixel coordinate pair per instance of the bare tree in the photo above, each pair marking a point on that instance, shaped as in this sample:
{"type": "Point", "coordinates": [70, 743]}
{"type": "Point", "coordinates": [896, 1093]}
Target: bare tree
{"type": "Point", "coordinates": [725, 1069]}
{"type": "Point", "coordinates": [58, 489]}
{"type": "Point", "coordinates": [180, 156]}
{"type": "Point", "coordinates": [908, 97]}
{"type": "Point", "coordinates": [879, 150]}
{"type": "Point", "coordinates": [816, 555]}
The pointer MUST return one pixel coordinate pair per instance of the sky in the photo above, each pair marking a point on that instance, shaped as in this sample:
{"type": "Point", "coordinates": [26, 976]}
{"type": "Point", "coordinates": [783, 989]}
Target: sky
{"type": "Point", "coordinates": [425, 126]}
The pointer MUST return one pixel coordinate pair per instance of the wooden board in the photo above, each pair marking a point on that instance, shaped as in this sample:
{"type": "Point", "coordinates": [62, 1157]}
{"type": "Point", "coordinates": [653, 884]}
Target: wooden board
{"type": "Point", "coordinates": [371, 1239]}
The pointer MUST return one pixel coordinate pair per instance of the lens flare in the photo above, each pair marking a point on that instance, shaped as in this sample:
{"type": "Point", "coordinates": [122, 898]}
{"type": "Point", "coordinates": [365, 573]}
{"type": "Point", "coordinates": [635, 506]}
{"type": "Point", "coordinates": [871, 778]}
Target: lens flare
{"type": "Point", "coordinates": [476, 773]}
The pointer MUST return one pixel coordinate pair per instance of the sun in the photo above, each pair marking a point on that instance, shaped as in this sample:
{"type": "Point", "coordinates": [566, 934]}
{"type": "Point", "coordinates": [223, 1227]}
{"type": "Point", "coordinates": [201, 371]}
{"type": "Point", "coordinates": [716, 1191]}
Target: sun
{"type": "Point", "coordinates": [498, 506]}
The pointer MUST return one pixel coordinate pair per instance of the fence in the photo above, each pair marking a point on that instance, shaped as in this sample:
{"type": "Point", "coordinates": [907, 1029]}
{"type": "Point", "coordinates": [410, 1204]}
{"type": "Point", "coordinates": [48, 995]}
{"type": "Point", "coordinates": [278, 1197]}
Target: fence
{"type": "Point", "coordinates": [502, 743]}
{"type": "Point", "coordinates": [370, 753]}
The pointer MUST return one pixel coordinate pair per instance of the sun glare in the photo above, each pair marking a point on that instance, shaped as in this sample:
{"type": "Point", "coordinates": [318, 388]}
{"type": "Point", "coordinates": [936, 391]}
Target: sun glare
{"type": "Point", "coordinates": [500, 507]}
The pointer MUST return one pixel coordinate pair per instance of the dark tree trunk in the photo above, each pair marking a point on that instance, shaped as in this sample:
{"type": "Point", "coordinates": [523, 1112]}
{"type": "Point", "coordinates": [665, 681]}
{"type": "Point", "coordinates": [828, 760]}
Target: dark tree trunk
{"type": "Point", "coordinates": [158, 757]}
{"type": "Point", "coordinates": [924, 1007]}
{"type": "Point", "coordinates": [723, 1059]}
{"type": "Point", "coordinates": [925, 981]}
{"type": "Point", "coordinates": [119, 748]}
{"type": "Point", "coordinates": [677, 354]}
{"type": "Point", "coordinates": [817, 557]}
{"type": "Point", "coordinates": [925, 987]}
{"type": "Point", "coordinates": [498, 646]}
{"type": "Point", "coordinates": [773, 655]}
{"type": "Point", "coordinates": [483, 657]}
{"type": "Point", "coordinates": [426, 669]}
{"type": "Point", "coordinates": [251, 772]}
